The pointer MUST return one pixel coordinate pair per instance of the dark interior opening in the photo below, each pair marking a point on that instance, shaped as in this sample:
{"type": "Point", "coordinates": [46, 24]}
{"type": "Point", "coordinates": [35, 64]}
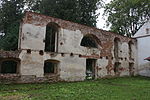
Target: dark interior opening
{"type": "Point", "coordinates": [116, 47]}
{"type": "Point", "coordinates": [130, 49]}
{"type": "Point", "coordinates": [51, 38]}
{"type": "Point", "coordinates": [116, 67]}
{"type": "Point", "coordinates": [89, 41]}
{"type": "Point", "coordinates": [8, 67]}
{"type": "Point", "coordinates": [50, 67]}
{"type": "Point", "coordinates": [90, 68]}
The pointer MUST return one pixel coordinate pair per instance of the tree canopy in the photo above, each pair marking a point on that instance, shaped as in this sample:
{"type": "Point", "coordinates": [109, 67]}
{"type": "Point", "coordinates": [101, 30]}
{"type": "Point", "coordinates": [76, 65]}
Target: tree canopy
{"type": "Point", "coordinates": [80, 11]}
{"type": "Point", "coordinates": [11, 12]}
{"type": "Point", "coordinates": [127, 16]}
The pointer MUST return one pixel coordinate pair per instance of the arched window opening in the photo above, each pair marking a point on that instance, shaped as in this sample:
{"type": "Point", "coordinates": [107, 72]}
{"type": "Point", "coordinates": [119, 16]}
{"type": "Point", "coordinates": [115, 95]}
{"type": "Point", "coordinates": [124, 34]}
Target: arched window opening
{"type": "Point", "coordinates": [89, 41]}
{"type": "Point", "coordinates": [116, 47]}
{"type": "Point", "coordinates": [51, 67]}
{"type": "Point", "coordinates": [130, 49]}
{"type": "Point", "coordinates": [9, 67]}
{"type": "Point", "coordinates": [51, 37]}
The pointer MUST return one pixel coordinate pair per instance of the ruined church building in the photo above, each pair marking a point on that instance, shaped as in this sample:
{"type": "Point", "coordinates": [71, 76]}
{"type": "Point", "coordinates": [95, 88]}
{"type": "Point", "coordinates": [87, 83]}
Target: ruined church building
{"type": "Point", "coordinates": [51, 49]}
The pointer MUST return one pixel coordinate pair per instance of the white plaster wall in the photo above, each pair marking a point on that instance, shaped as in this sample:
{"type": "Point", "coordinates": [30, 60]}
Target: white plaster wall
{"type": "Point", "coordinates": [89, 51]}
{"type": "Point", "coordinates": [72, 68]}
{"type": "Point", "coordinates": [143, 51]}
{"type": "Point", "coordinates": [31, 64]}
{"type": "Point", "coordinates": [143, 39]}
{"type": "Point", "coordinates": [32, 37]}
{"type": "Point", "coordinates": [71, 43]}
{"type": "Point", "coordinates": [124, 53]}
{"type": "Point", "coordinates": [125, 50]}
{"type": "Point", "coordinates": [102, 63]}
{"type": "Point", "coordinates": [142, 30]}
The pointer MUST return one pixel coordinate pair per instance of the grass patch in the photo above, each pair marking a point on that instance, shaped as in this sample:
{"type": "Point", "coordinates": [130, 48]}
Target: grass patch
{"type": "Point", "coordinates": [127, 88]}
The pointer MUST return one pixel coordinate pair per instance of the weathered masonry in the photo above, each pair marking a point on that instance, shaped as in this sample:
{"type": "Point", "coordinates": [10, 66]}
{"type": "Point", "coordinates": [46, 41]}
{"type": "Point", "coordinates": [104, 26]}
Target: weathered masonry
{"type": "Point", "coordinates": [52, 49]}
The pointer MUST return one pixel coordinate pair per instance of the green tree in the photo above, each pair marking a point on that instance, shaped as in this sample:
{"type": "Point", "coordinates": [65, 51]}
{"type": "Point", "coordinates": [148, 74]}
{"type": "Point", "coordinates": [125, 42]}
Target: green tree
{"type": "Point", "coordinates": [10, 16]}
{"type": "Point", "coordinates": [10, 40]}
{"type": "Point", "coordinates": [127, 16]}
{"type": "Point", "coordinates": [80, 11]}
{"type": "Point", "coordinates": [11, 13]}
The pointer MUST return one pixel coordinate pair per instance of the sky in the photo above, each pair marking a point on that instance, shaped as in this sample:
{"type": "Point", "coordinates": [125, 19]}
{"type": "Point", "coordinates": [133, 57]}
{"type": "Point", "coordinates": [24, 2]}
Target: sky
{"type": "Point", "coordinates": [101, 21]}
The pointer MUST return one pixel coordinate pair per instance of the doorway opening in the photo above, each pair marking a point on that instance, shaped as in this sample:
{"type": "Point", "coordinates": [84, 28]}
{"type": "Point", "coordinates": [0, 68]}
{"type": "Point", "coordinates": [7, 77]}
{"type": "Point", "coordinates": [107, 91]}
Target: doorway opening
{"type": "Point", "coordinates": [90, 68]}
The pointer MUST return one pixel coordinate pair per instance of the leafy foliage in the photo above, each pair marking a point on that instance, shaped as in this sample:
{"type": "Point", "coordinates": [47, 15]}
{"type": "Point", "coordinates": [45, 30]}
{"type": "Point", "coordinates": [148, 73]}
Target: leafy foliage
{"type": "Point", "coordinates": [80, 11]}
{"type": "Point", "coordinates": [10, 39]}
{"type": "Point", "coordinates": [11, 12]}
{"type": "Point", "coordinates": [127, 16]}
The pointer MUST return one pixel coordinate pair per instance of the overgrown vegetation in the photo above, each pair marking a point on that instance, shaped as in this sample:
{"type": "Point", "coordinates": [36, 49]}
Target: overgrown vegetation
{"type": "Point", "coordinates": [127, 16]}
{"type": "Point", "coordinates": [80, 11]}
{"type": "Point", "coordinates": [128, 88]}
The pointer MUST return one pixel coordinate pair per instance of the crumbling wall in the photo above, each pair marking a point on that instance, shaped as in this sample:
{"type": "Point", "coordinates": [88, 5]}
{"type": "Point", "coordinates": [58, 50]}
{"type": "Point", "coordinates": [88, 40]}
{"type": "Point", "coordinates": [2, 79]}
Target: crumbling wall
{"type": "Point", "coordinates": [31, 63]}
{"type": "Point", "coordinates": [69, 38]}
{"type": "Point", "coordinates": [71, 67]}
{"type": "Point", "coordinates": [9, 56]}
{"type": "Point", "coordinates": [70, 54]}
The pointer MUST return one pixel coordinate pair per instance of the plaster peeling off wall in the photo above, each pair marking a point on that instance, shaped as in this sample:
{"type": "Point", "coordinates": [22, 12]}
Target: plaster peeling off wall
{"type": "Point", "coordinates": [32, 35]}
{"type": "Point", "coordinates": [46, 41]}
